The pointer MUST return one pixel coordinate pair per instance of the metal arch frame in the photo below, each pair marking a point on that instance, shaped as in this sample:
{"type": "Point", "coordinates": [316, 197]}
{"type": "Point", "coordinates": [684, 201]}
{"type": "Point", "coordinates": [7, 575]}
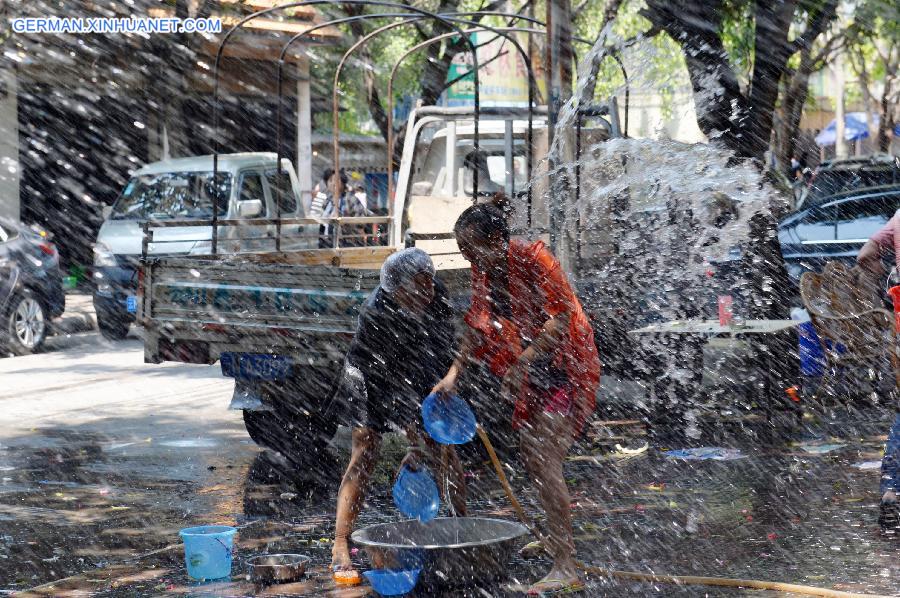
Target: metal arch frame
{"type": "Point", "coordinates": [532, 84]}
{"type": "Point", "coordinates": [408, 18]}
{"type": "Point", "coordinates": [453, 16]}
{"type": "Point", "coordinates": [279, 87]}
{"type": "Point", "coordinates": [446, 18]}
{"type": "Point", "coordinates": [255, 15]}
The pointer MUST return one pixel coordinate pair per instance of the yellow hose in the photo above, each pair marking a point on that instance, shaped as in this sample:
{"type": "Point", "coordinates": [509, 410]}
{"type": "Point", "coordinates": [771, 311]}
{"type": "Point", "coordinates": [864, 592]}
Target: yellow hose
{"type": "Point", "coordinates": [653, 577]}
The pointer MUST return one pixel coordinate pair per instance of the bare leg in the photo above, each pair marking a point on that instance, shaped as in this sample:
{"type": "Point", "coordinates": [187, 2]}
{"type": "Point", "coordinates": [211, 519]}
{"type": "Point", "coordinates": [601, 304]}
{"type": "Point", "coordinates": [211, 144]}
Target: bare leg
{"type": "Point", "coordinates": [544, 444]}
{"type": "Point", "coordinates": [456, 476]}
{"type": "Point", "coordinates": [350, 496]}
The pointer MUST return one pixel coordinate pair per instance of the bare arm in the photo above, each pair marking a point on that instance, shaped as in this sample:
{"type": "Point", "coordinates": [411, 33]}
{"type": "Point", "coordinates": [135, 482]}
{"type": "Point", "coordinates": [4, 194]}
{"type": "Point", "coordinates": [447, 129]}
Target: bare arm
{"type": "Point", "coordinates": [448, 384]}
{"type": "Point", "coordinates": [552, 334]}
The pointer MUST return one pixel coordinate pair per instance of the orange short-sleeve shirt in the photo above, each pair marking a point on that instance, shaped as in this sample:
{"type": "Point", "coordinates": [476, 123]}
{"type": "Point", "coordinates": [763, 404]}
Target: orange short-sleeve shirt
{"type": "Point", "coordinates": [539, 290]}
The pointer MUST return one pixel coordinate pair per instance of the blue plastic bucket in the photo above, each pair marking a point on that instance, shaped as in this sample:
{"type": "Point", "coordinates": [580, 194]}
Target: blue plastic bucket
{"type": "Point", "coordinates": [207, 551]}
{"type": "Point", "coordinates": [812, 360]}
{"type": "Point", "coordinates": [448, 420]}
{"type": "Point", "coordinates": [389, 582]}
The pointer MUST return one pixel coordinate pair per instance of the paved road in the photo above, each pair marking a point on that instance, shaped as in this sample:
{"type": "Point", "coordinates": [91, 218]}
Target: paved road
{"type": "Point", "coordinates": [100, 452]}
{"type": "Point", "coordinates": [103, 459]}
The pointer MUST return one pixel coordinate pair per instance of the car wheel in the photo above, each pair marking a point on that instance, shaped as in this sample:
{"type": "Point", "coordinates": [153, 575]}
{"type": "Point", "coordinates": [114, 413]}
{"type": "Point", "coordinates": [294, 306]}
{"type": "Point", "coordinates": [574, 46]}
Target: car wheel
{"type": "Point", "coordinates": [111, 327]}
{"type": "Point", "coordinates": [26, 324]}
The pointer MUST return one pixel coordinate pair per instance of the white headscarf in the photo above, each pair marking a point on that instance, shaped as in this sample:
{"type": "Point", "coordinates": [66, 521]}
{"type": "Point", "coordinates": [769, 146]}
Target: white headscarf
{"type": "Point", "coordinates": [400, 268]}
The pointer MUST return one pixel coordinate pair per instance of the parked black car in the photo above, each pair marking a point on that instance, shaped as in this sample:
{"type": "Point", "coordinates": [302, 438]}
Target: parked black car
{"type": "Point", "coordinates": [835, 229]}
{"type": "Point", "coordinates": [31, 291]}
{"type": "Point", "coordinates": [850, 175]}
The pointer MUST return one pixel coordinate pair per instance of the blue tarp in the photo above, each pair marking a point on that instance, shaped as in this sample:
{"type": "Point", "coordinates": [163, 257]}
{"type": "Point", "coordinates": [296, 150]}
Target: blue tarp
{"type": "Point", "coordinates": [854, 128]}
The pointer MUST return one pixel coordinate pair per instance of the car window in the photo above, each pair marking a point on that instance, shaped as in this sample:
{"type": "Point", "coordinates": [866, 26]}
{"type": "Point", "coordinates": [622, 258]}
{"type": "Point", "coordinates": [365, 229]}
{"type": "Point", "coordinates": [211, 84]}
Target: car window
{"type": "Point", "coordinates": [860, 218]}
{"type": "Point", "coordinates": [252, 188]}
{"type": "Point", "coordinates": [818, 224]}
{"type": "Point", "coordinates": [283, 193]}
{"type": "Point", "coordinates": [880, 207]}
{"type": "Point", "coordinates": [832, 182]}
{"type": "Point", "coordinates": [819, 215]}
{"type": "Point", "coordinates": [172, 195]}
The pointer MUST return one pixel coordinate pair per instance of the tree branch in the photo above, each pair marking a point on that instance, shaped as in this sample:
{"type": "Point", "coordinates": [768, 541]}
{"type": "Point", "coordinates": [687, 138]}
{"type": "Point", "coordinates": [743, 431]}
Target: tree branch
{"type": "Point", "coordinates": [609, 13]}
{"type": "Point", "coordinates": [817, 22]}
{"type": "Point", "coordinates": [831, 46]}
{"type": "Point", "coordinates": [512, 21]}
{"type": "Point", "coordinates": [722, 109]}
{"type": "Point", "coordinates": [420, 29]}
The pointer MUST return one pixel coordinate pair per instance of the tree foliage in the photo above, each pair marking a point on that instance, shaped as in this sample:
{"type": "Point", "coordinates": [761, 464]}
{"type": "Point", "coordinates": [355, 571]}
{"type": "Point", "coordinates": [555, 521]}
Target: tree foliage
{"type": "Point", "coordinates": [873, 42]}
{"type": "Point", "coordinates": [422, 76]}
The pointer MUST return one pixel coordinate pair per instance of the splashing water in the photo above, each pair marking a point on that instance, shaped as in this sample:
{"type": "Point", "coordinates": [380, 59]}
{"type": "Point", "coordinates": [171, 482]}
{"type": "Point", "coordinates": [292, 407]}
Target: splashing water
{"type": "Point", "coordinates": [651, 223]}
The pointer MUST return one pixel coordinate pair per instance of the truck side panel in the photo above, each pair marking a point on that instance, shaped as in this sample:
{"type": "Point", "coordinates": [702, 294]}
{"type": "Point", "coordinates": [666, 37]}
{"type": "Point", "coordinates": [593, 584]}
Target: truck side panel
{"type": "Point", "coordinates": [308, 312]}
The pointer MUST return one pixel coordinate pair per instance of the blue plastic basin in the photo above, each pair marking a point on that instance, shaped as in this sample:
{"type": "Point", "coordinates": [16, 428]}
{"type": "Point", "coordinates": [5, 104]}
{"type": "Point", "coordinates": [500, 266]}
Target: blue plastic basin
{"type": "Point", "coordinates": [390, 582]}
{"type": "Point", "coordinates": [448, 420]}
{"type": "Point", "coordinates": [416, 495]}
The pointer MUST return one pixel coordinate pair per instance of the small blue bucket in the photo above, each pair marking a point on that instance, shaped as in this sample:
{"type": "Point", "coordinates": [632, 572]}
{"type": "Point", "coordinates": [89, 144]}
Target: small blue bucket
{"type": "Point", "coordinates": [207, 551]}
{"type": "Point", "coordinates": [812, 359]}
{"type": "Point", "coordinates": [387, 582]}
{"type": "Point", "coordinates": [448, 420]}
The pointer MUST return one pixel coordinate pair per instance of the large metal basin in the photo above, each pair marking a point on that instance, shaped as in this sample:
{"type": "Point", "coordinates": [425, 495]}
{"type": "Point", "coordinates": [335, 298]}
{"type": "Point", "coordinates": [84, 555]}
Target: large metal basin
{"type": "Point", "coordinates": [451, 550]}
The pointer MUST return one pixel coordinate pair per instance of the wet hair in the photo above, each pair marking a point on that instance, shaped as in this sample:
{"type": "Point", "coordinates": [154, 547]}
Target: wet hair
{"type": "Point", "coordinates": [326, 176]}
{"type": "Point", "coordinates": [485, 220]}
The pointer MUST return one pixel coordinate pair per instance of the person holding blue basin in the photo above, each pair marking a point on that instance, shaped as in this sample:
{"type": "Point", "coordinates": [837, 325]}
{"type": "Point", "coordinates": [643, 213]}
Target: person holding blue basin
{"type": "Point", "coordinates": [403, 345]}
{"type": "Point", "coordinates": [532, 351]}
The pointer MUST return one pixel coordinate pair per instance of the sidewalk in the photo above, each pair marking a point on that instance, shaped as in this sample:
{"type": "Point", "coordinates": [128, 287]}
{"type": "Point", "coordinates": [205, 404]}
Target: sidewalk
{"type": "Point", "coordinates": [78, 317]}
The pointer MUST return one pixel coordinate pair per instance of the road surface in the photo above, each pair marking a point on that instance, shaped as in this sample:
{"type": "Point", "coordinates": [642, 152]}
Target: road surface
{"type": "Point", "coordinates": [103, 459]}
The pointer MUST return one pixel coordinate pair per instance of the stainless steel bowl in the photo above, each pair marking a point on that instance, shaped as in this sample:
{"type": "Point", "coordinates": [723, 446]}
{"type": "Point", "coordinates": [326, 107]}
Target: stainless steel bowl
{"type": "Point", "coordinates": [451, 550]}
{"type": "Point", "coordinates": [277, 568]}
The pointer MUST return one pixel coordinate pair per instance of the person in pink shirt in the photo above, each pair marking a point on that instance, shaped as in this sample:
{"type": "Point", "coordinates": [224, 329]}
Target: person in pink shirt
{"type": "Point", "coordinates": [881, 244]}
{"type": "Point", "coordinates": [871, 259]}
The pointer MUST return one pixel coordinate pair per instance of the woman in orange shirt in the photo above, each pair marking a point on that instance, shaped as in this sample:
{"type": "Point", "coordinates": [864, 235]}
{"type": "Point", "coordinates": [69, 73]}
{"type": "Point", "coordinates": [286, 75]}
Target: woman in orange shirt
{"type": "Point", "coordinates": [527, 330]}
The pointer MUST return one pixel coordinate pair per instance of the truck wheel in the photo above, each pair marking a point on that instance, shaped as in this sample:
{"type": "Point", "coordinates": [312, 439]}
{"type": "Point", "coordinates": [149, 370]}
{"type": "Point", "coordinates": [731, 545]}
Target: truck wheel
{"type": "Point", "coordinates": [259, 424]}
{"type": "Point", "coordinates": [299, 438]}
{"type": "Point", "coordinates": [111, 327]}
{"type": "Point", "coordinates": [25, 324]}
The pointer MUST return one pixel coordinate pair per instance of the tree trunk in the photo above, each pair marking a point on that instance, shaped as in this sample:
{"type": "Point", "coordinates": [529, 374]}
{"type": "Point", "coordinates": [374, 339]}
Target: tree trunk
{"type": "Point", "coordinates": [793, 103]}
{"type": "Point", "coordinates": [773, 20]}
{"type": "Point", "coordinates": [886, 122]}
{"type": "Point", "coordinates": [722, 110]}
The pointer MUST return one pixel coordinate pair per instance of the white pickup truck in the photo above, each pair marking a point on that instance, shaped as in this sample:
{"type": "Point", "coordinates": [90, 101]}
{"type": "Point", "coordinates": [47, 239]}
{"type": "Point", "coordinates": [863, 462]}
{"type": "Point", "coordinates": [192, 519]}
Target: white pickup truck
{"type": "Point", "coordinates": [280, 322]}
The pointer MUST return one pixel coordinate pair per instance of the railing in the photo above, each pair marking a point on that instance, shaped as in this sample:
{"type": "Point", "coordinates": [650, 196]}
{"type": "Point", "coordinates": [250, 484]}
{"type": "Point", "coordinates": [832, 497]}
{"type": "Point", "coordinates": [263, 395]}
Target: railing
{"type": "Point", "coordinates": [330, 239]}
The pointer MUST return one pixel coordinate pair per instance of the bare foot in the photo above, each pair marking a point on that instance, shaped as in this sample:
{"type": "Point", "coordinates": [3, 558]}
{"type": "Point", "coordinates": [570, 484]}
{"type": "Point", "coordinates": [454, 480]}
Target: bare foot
{"type": "Point", "coordinates": [562, 579]}
{"type": "Point", "coordinates": [342, 569]}
{"type": "Point", "coordinates": [340, 555]}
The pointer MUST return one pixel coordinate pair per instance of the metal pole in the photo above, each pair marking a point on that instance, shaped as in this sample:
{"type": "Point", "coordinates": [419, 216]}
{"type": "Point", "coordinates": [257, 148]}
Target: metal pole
{"type": "Point", "coordinates": [336, 133]}
{"type": "Point", "coordinates": [559, 84]}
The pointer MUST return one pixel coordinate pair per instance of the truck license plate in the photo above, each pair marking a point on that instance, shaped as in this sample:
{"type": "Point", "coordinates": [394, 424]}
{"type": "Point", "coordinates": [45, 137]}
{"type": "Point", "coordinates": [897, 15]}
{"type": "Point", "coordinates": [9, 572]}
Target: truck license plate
{"type": "Point", "coordinates": [255, 366]}
{"type": "Point", "coordinates": [131, 304]}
